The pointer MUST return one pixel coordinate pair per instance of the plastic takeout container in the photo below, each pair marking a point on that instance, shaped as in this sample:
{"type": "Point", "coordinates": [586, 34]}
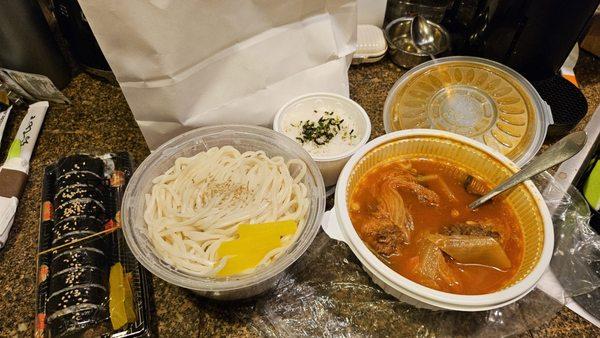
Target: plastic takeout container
{"type": "Point", "coordinates": [370, 44]}
{"type": "Point", "coordinates": [106, 176]}
{"type": "Point", "coordinates": [331, 165]}
{"type": "Point", "coordinates": [476, 158]}
{"type": "Point", "coordinates": [475, 97]}
{"type": "Point", "coordinates": [243, 138]}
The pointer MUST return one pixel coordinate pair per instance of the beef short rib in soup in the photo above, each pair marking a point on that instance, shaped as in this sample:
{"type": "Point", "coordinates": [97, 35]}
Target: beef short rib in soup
{"type": "Point", "coordinates": [414, 214]}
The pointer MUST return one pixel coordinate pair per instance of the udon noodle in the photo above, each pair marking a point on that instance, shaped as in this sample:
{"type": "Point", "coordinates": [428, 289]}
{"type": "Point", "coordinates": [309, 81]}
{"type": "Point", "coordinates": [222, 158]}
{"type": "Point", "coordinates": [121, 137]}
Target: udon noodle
{"type": "Point", "coordinates": [199, 203]}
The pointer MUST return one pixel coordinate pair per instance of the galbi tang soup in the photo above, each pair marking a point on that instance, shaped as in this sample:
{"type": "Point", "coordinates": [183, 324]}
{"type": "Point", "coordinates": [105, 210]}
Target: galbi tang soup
{"type": "Point", "coordinates": [413, 214]}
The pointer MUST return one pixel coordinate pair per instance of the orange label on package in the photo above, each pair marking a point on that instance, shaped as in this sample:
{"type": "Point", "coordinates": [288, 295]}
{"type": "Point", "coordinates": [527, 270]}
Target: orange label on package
{"type": "Point", "coordinates": [43, 273]}
{"type": "Point", "coordinates": [117, 179]}
{"type": "Point", "coordinates": [118, 219]}
{"type": "Point", "coordinates": [40, 325]}
{"type": "Point", "coordinates": [47, 210]}
{"type": "Point", "coordinates": [109, 225]}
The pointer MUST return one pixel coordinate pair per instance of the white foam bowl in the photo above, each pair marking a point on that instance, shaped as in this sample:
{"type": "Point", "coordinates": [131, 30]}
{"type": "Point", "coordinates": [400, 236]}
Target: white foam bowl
{"type": "Point", "coordinates": [330, 165]}
{"type": "Point", "coordinates": [337, 225]}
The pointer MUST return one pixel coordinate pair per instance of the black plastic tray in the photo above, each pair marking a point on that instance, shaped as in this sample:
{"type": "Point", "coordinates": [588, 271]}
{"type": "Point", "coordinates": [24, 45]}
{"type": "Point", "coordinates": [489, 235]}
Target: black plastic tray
{"type": "Point", "coordinates": [115, 183]}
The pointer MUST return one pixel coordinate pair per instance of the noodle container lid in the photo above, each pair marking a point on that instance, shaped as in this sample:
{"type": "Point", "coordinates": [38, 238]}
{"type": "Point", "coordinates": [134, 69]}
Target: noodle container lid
{"type": "Point", "coordinates": [476, 158]}
{"type": "Point", "coordinates": [474, 97]}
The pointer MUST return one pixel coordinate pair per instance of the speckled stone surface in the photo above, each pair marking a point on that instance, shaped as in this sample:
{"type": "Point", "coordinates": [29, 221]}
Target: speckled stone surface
{"type": "Point", "coordinates": [99, 121]}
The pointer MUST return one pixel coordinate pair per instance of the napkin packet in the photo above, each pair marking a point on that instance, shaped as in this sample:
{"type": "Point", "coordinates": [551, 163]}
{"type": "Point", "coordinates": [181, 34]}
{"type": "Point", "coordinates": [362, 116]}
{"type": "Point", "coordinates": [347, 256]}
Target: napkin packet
{"type": "Point", "coordinates": [31, 87]}
{"type": "Point", "coordinates": [7, 98]}
{"type": "Point", "coordinates": [88, 282]}
{"type": "Point", "coordinates": [5, 109]}
{"type": "Point", "coordinates": [14, 171]}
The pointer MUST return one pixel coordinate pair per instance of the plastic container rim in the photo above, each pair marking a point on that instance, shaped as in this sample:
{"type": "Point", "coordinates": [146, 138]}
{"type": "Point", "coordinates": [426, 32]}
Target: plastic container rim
{"type": "Point", "coordinates": [216, 284]}
{"type": "Point", "coordinates": [365, 120]}
{"type": "Point", "coordinates": [428, 295]}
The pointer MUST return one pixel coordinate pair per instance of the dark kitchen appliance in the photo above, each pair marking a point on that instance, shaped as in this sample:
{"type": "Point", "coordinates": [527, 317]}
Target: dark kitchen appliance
{"type": "Point", "coordinates": [27, 44]}
{"type": "Point", "coordinates": [533, 37]}
{"type": "Point", "coordinates": [77, 32]}
{"type": "Point", "coordinates": [566, 101]}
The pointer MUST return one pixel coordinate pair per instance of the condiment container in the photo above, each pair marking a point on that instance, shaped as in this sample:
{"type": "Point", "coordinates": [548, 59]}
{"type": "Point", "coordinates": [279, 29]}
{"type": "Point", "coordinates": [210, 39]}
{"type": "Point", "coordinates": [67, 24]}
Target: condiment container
{"type": "Point", "coordinates": [475, 97]}
{"type": "Point", "coordinates": [476, 158]}
{"type": "Point", "coordinates": [370, 45]}
{"type": "Point", "coordinates": [330, 165]}
{"type": "Point", "coordinates": [243, 138]}
{"type": "Point", "coordinates": [401, 47]}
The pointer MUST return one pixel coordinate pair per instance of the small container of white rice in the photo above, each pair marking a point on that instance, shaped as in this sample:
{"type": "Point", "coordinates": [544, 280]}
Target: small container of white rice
{"type": "Point", "coordinates": [329, 126]}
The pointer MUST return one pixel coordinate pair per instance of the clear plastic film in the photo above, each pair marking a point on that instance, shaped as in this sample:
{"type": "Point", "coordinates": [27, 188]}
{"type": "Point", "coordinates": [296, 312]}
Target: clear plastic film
{"type": "Point", "coordinates": [576, 259]}
{"type": "Point", "coordinates": [327, 293]}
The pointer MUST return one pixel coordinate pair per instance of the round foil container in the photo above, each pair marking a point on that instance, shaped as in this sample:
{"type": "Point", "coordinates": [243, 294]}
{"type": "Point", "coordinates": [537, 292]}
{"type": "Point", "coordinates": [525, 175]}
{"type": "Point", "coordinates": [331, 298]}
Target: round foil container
{"type": "Point", "coordinates": [474, 97]}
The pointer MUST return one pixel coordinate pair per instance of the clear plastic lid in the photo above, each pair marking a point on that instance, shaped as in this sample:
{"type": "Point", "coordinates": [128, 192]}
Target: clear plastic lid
{"type": "Point", "coordinates": [243, 138]}
{"type": "Point", "coordinates": [475, 97]}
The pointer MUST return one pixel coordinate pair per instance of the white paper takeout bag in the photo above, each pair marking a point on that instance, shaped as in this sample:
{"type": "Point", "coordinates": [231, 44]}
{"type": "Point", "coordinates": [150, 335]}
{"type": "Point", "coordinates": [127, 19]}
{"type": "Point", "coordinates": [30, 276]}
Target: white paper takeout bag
{"type": "Point", "coordinates": [183, 64]}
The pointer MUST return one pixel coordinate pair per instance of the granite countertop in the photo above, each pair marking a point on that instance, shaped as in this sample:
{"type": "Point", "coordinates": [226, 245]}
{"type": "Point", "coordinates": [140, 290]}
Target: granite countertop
{"type": "Point", "coordinates": [99, 121]}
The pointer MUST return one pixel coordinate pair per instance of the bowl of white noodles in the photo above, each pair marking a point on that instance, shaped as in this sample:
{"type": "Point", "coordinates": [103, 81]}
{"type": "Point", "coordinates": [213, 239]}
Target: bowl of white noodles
{"type": "Point", "coordinates": [192, 194]}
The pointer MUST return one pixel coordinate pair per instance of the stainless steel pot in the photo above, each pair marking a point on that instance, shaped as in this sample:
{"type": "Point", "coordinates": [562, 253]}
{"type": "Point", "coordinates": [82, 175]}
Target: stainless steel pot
{"type": "Point", "coordinates": [401, 47]}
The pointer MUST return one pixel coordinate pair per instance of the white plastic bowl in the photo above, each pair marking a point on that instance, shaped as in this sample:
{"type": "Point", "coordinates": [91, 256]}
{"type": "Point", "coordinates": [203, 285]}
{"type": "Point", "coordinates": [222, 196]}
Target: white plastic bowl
{"type": "Point", "coordinates": [337, 225]}
{"type": "Point", "coordinates": [332, 165]}
{"type": "Point", "coordinates": [243, 138]}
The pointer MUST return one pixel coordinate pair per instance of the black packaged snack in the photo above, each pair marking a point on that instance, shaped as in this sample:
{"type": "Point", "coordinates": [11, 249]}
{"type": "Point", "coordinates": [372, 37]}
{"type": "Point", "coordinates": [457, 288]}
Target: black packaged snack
{"type": "Point", "coordinates": [77, 276]}
{"type": "Point", "coordinates": [80, 177]}
{"type": "Point", "coordinates": [79, 244]}
{"type": "Point", "coordinates": [69, 226]}
{"type": "Point", "coordinates": [82, 207]}
{"type": "Point", "coordinates": [79, 191]}
{"type": "Point", "coordinates": [80, 163]}
{"type": "Point", "coordinates": [84, 256]}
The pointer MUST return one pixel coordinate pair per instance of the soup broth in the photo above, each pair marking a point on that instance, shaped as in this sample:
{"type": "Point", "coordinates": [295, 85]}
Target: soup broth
{"type": "Point", "coordinates": [414, 215]}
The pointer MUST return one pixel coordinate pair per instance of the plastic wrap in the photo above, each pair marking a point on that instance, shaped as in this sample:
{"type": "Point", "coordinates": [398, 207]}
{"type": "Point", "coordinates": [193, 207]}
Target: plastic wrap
{"type": "Point", "coordinates": [576, 259]}
{"type": "Point", "coordinates": [327, 293]}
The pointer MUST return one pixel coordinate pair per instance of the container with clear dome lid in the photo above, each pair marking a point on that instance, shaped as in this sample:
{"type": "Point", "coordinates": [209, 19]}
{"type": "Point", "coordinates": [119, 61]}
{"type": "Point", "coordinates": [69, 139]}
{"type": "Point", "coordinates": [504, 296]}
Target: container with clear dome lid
{"type": "Point", "coordinates": [475, 97]}
{"type": "Point", "coordinates": [243, 138]}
